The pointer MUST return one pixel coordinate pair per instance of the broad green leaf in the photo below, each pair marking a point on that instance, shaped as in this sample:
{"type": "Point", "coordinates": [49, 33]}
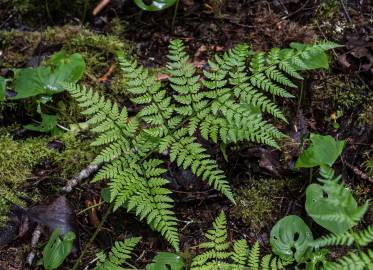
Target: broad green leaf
{"type": "Point", "coordinates": [155, 5]}
{"type": "Point", "coordinates": [166, 261]}
{"type": "Point", "coordinates": [324, 150]}
{"type": "Point", "coordinates": [56, 250]}
{"type": "Point", "coordinates": [46, 80]}
{"type": "Point", "coordinates": [47, 124]}
{"type": "Point", "coordinates": [2, 88]}
{"type": "Point", "coordinates": [332, 206]}
{"type": "Point", "coordinates": [290, 238]}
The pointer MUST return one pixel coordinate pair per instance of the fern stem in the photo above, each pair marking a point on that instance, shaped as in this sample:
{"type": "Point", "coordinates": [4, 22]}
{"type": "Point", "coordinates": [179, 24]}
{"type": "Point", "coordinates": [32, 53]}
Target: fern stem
{"type": "Point", "coordinates": [93, 237]}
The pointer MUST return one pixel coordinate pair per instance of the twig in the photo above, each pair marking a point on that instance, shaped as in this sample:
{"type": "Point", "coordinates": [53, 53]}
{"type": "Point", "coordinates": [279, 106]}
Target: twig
{"type": "Point", "coordinates": [85, 173]}
{"type": "Point", "coordinates": [100, 7]}
{"type": "Point", "coordinates": [359, 172]}
{"type": "Point", "coordinates": [34, 241]}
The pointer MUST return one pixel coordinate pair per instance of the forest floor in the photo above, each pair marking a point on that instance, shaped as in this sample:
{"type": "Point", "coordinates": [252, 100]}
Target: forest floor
{"type": "Point", "coordinates": [337, 102]}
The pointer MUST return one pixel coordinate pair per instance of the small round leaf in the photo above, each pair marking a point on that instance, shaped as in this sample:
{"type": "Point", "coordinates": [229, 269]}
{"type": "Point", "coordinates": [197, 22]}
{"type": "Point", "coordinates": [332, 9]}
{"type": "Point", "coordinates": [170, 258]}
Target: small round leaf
{"type": "Point", "coordinates": [290, 238]}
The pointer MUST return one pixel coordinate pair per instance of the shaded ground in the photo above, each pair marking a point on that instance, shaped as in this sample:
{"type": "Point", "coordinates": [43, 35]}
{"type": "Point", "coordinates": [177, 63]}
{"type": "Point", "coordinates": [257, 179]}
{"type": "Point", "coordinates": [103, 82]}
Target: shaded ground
{"type": "Point", "coordinates": [342, 95]}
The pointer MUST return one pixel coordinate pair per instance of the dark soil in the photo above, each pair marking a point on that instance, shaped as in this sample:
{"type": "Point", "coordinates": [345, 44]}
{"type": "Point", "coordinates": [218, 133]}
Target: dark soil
{"type": "Point", "coordinates": [207, 29]}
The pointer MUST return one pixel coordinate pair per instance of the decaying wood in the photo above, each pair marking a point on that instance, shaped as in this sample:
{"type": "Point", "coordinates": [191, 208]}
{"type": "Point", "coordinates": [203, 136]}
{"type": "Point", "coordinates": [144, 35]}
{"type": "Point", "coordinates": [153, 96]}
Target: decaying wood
{"type": "Point", "coordinates": [34, 241]}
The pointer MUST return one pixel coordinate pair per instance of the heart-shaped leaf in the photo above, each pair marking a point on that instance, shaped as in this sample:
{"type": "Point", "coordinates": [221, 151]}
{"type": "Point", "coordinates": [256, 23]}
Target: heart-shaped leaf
{"type": "Point", "coordinates": [57, 250]}
{"type": "Point", "coordinates": [324, 150]}
{"type": "Point", "coordinates": [46, 80]}
{"type": "Point", "coordinates": [166, 261]}
{"type": "Point", "coordinates": [155, 5]}
{"type": "Point", "coordinates": [290, 238]}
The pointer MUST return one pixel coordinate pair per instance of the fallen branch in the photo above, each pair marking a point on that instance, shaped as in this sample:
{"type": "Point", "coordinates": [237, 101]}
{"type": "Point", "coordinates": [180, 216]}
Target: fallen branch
{"type": "Point", "coordinates": [34, 241]}
{"type": "Point", "coordinates": [84, 174]}
{"type": "Point", "coordinates": [359, 172]}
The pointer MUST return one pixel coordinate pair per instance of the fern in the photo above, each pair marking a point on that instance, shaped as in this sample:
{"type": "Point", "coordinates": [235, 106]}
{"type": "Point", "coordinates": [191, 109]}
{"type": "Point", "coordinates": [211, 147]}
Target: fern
{"type": "Point", "coordinates": [227, 105]}
{"type": "Point", "coordinates": [361, 238]}
{"type": "Point", "coordinates": [352, 261]}
{"type": "Point", "coordinates": [120, 253]}
{"type": "Point", "coordinates": [219, 256]}
{"type": "Point", "coordinates": [331, 204]}
{"type": "Point", "coordinates": [136, 183]}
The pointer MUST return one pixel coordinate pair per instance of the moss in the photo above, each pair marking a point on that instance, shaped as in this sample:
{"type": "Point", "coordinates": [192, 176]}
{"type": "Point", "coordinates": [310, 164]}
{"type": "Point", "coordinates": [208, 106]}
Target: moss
{"type": "Point", "coordinates": [257, 204]}
{"type": "Point", "coordinates": [343, 93]}
{"type": "Point", "coordinates": [17, 159]}
{"type": "Point", "coordinates": [76, 155]}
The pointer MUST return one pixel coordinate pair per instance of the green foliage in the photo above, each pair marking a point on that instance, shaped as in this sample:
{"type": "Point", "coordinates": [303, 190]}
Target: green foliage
{"type": "Point", "coordinates": [361, 238]}
{"type": "Point", "coordinates": [56, 250]}
{"type": "Point", "coordinates": [2, 88]}
{"type": "Point", "coordinates": [226, 107]}
{"type": "Point", "coordinates": [46, 80]}
{"type": "Point", "coordinates": [290, 238]}
{"type": "Point", "coordinates": [47, 124]}
{"type": "Point", "coordinates": [332, 205]}
{"type": "Point", "coordinates": [353, 261]}
{"type": "Point", "coordinates": [17, 159]}
{"type": "Point", "coordinates": [119, 255]}
{"type": "Point", "coordinates": [155, 5]}
{"type": "Point", "coordinates": [256, 203]}
{"type": "Point", "coordinates": [368, 165]}
{"type": "Point", "coordinates": [219, 256]}
{"type": "Point", "coordinates": [166, 261]}
{"type": "Point", "coordinates": [324, 150]}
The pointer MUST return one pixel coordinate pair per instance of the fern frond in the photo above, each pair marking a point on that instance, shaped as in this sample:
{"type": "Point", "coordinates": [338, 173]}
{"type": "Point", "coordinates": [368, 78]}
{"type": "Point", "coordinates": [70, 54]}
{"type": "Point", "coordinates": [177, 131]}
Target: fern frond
{"type": "Point", "coordinates": [120, 253]}
{"type": "Point", "coordinates": [254, 257]}
{"type": "Point", "coordinates": [108, 121]}
{"type": "Point", "coordinates": [157, 108]}
{"type": "Point", "coordinates": [183, 80]}
{"type": "Point", "coordinates": [141, 189]}
{"type": "Point", "coordinates": [217, 246]}
{"type": "Point", "coordinates": [188, 153]}
{"type": "Point", "coordinates": [239, 255]}
{"type": "Point", "coordinates": [362, 238]}
{"type": "Point", "coordinates": [352, 261]}
{"type": "Point", "coordinates": [270, 262]}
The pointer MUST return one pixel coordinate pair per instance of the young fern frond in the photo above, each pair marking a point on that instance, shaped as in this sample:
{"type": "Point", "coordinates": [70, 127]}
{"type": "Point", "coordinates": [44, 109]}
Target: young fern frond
{"type": "Point", "coordinates": [219, 256]}
{"type": "Point", "coordinates": [352, 261]}
{"type": "Point", "coordinates": [217, 246]}
{"type": "Point", "coordinates": [120, 253]}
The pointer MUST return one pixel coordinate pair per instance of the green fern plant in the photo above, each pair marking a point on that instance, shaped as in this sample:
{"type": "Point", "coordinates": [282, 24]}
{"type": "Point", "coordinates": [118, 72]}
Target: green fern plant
{"type": "Point", "coordinates": [331, 205]}
{"type": "Point", "coordinates": [352, 261]}
{"type": "Point", "coordinates": [225, 105]}
{"type": "Point", "coordinates": [119, 255]}
{"type": "Point", "coordinates": [218, 254]}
